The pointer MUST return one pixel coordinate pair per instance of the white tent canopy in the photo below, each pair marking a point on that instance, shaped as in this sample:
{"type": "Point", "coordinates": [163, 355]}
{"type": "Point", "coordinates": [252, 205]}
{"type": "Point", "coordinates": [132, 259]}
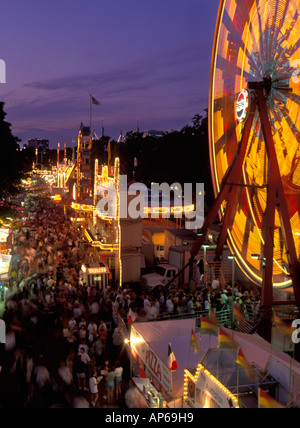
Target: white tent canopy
{"type": "Point", "coordinates": [178, 332]}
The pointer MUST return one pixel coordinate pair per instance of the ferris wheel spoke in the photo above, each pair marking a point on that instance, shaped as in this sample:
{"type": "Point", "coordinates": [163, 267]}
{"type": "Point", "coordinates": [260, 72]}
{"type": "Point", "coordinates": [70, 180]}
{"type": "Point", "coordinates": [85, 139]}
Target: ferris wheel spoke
{"type": "Point", "coordinates": [278, 26]}
{"type": "Point", "coordinates": [263, 51]}
{"type": "Point", "coordinates": [293, 97]}
{"type": "Point", "coordinates": [253, 65]}
{"type": "Point", "coordinates": [234, 36]}
{"type": "Point", "coordinates": [231, 68]}
{"type": "Point", "coordinates": [227, 100]}
{"type": "Point", "coordinates": [227, 138]}
{"type": "Point", "coordinates": [294, 49]}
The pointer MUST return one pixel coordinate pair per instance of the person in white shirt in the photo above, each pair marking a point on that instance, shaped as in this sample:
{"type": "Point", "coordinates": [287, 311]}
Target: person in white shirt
{"type": "Point", "coordinates": [72, 324]}
{"type": "Point", "coordinates": [92, 329]}
{"type": "Point", "coordinates": [93, 383]}
{"type": "Point", "coordinates": [215, 284]}
{"type": "Point", "coordinates": [83, 362]}
{"type": "Point", "coordinates": [147, 303]}
{"type": "Point", "coordinates": [224, 297]}
{"type": "Point", "coordinates": [169, 305]}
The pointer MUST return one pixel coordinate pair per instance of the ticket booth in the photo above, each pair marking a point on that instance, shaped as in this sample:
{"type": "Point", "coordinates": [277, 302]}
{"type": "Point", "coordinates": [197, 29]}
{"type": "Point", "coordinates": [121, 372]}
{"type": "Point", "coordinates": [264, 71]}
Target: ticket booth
{"type": "Point", "coordinates": [96, 274]}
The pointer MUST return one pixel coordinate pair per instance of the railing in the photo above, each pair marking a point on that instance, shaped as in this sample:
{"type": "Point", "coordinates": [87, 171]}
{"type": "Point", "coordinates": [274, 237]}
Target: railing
{"type": "Point", "coordinates": [219, 269]}
{"type": "Point", "coordinates": [222, 318]}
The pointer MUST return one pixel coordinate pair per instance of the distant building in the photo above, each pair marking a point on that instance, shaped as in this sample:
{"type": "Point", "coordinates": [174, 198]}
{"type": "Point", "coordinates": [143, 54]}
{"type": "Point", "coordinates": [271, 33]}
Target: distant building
{"type": "Point", "coordinates": [84, 162]}
{"type": "Point", "coordinates": [153, 133]}
{"type": "Point", "coordinates": [37, 143]}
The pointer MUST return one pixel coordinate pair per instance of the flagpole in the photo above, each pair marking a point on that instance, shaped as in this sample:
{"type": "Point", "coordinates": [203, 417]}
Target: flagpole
{"type": "Point", "coordinates": [200, 345]}
{"type": "Point", "coordinates": [189, 356]}
{"type": "Point", "coordinates": [91, 115]}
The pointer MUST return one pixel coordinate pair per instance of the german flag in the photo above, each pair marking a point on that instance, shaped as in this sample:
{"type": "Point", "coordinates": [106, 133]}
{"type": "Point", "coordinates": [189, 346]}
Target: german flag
{"type": "Point", "coordinates": [265, 401]}
{"type": "Point", "coordinates": [225, 340]}
{"type": "Point", "coordinates": [242, 361]}
{"type": "Point", "coordinates": [194, 342]}
{"type": "Point", "coordinates": [237, 313]}
{"type": "Point", "coordinates": [282, 326]}
{"type": "Point", "coordinates": [207, 327]}
{"type": "Point", "coordinates": [212, 317]}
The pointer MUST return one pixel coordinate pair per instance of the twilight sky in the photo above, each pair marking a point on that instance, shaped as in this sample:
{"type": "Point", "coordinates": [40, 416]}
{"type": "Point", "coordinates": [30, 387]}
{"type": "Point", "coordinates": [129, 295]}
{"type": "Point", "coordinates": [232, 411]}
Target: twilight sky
{"type": "Point", "coordinates": [141, 59]}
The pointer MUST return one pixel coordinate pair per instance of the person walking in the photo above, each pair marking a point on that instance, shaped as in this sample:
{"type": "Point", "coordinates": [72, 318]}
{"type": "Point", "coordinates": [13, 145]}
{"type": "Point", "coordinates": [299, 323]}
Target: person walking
{"type": "Point", "coordinates": [83, 361]}
{"type": "Point", "coordinates": [93, 383]}
{"type": "Point", "coordinates": [110, 385]}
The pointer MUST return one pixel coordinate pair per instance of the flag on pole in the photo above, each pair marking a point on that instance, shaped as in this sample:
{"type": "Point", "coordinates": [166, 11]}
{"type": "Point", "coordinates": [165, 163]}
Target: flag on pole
{"type": "Point", "coordinates": [225, 340]}
{"type": "Point", "coordinates": [94, 101]}
{"type": "Point", "coordinates": [173, 366]}
{"type": "Point", "coordinates": [212, 317]}
{"type": "Point", "coordinates": [142, 373]}
{"type": "Point", "coordinates": [207, 327]}
{"type": "Point", "coordinates": [131, 317]}
{"type": "Point", "coordinates": [265, 401]}
{"type": "Point", "coordinates": [237, 313]}
{"type": "Point", "coordinates": [284, 328]}
{"type": "Point", "coordinates": [242, 361]}
{"type": "Point", "coordinates": [194, 342]}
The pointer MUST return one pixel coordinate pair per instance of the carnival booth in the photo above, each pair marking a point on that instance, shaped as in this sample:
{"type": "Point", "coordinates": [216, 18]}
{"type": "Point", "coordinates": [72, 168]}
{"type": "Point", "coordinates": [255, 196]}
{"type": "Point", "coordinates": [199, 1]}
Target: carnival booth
{"type": "Point", "coordinates": [157, 385]}
{"type": "Point", "coordinates": [244, 376]}
{"type": "Point", "coordinates": [95, 274]}
{"type": "Point", "coordinates": [209, 375]}
{"type": "Point", "coordinates": [5, 265]}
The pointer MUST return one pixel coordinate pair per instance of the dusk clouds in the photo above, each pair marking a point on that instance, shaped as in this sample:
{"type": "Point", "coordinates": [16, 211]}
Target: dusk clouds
{"type": "Point", "coordinates": [164, 84]}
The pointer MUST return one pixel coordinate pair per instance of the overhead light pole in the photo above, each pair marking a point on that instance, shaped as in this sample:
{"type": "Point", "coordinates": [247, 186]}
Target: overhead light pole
{"type": "Point", "coordinates": [232, 257]}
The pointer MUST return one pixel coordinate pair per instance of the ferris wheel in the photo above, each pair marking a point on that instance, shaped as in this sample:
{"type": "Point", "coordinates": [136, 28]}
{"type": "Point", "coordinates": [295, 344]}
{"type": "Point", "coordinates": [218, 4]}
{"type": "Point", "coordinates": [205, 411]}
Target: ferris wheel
{"type": "Point", "coordinates": [254, 121]}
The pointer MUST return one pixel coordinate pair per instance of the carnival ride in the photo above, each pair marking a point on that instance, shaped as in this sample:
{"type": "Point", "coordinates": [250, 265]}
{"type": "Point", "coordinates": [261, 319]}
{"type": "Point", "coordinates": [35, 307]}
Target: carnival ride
{"type": "Point", "coordinates": [254, 126]}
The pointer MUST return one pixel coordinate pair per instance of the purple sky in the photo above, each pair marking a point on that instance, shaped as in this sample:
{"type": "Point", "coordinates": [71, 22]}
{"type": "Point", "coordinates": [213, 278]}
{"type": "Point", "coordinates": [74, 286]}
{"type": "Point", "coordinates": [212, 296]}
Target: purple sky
{"type": "Point", "coordinates": [141, 59]}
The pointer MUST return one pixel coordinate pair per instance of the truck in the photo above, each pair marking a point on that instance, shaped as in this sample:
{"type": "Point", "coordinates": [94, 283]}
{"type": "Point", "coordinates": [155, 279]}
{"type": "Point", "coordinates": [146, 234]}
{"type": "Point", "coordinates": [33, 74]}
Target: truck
{"type": "Point", "coordinates": [160, 278]}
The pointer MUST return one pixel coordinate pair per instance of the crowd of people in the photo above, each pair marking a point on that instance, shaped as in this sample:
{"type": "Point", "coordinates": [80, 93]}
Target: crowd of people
{"type": "Point", "coordinates": [180, 300]}
{"type": "Point", "coordinates": [60, 334]}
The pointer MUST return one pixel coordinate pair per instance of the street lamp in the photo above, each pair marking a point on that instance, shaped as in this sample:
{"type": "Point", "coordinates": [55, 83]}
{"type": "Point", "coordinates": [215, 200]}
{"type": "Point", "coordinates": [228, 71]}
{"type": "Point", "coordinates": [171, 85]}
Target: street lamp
{"type": "Point", "coordinates": [232, 257]}
{"type": "Point", "coordinates": [205, 246]}
{"type": "Point", "coordinates": [258, 257]}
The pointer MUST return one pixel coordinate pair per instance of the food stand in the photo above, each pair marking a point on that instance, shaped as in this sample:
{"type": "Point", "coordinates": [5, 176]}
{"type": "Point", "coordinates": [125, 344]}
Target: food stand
{"type": "Point", "coordinates": [157, 386]}
{"type": "Point", "coordinates": [95, 274]}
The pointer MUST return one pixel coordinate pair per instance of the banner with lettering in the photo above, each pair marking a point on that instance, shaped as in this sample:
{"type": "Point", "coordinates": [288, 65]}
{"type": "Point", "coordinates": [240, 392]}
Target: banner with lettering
{"type": "Point", "coordinates": [156, 369]}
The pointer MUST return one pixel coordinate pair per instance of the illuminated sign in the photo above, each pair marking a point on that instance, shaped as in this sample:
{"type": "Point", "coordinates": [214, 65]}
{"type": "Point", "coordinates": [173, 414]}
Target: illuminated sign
{"type": "Point", "coordinates": [57, 198]}
{"type": "Point", "coordinates": [4, 235]}
{"type": "Point", "coordinates": [242, 106]}
{"type": "Point", "coordinates": [95, 270]}
{"type": "Point", "coordinates": [80, 207]}
{"type": "Point", "coordinates": [204, 391]}
{"type": "Point", "coordinates": [169, 210]}
{"type": "Point", "coordinates": [156, 367]}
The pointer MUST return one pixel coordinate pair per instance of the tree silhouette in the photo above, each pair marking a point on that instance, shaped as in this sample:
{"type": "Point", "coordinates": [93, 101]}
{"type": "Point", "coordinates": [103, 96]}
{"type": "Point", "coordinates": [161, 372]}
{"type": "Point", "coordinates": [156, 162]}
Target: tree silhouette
{"type": "Point", "coordinates": [11, 170]}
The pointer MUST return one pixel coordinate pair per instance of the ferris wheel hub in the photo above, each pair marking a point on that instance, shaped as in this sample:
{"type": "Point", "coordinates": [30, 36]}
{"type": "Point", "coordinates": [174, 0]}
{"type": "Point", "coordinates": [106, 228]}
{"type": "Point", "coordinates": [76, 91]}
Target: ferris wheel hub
{"type": "Point", "coordinates": [266, 84]}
